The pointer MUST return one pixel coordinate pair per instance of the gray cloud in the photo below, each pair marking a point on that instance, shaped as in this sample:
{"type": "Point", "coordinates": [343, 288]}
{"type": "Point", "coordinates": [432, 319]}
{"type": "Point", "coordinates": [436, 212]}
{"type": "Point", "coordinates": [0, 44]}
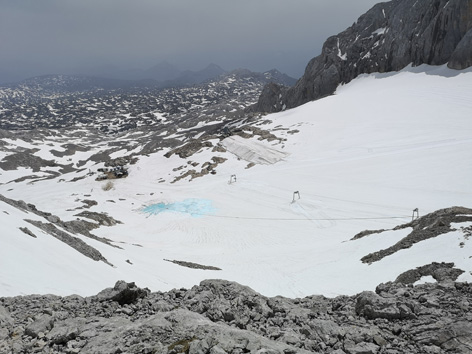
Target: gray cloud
{"type": "Point", "coordinates": [44, 36]}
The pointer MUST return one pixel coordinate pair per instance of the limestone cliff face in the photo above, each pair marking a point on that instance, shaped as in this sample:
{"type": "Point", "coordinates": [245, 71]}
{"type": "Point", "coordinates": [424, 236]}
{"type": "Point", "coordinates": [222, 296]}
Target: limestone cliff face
{"type": "Point", "coordinates": [388, 37]}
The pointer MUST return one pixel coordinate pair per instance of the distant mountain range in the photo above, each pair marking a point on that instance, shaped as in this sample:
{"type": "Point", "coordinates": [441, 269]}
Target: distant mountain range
{"type": "Point", "coordinates": [162, 75]}
{"type": "Point", "coordinates": [167, 75]}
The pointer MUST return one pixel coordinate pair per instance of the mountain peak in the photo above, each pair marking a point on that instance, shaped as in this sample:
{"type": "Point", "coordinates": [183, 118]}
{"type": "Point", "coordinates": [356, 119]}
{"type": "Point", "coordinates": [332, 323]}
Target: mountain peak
{"type": "Point", "coordinates": [276, 75]}
{"type": "Point", "coordinates": [213, 66]}
{"type": "Point", "coordinates": [273, 71]}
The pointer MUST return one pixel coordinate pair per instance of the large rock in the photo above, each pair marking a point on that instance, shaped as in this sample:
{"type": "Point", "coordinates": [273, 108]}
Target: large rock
{"type": "Point", "coordinates": [123, 293]}
{"type": "Point", "coordinates": [449, 336]}
{"type": "Point", "coordinates": [42, 324]}
{"type": "Point", "coordinates": [387, 38]}
{"type": "Point", "coordinates": [372, 306]}
{"type": "Point", "coordinates": [362, 348]}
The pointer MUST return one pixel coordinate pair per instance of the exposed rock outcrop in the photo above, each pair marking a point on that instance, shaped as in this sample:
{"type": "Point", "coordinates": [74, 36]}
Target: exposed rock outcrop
{"type": "Point", "coordinates": [62, 229]}
{"type": "Point", "coordinates": [461, 58]}
{"type": "Point", "coordinates": [426, 227]}
{"type": "Point", "coordinates": [387, 38]}
{"type": "Point", "coordinates": [439, 271]}
{"type": "Point", "coordinates": [271, 98]}
{"type": "Point", "coordinates": [72, 241]}
{"type": "Point", "coordinates": [101, 218]}
{"type": "Point", "coordinates": [192, 265]}
{"type": "Point", "coordinates": [189, 149]}
{"type": "Point", "coordinates": [224, 317]}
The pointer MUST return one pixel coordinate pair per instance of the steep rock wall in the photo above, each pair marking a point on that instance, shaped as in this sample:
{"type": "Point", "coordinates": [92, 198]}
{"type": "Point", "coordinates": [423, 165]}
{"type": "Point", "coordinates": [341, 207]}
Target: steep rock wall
{"type": "Point", "coordinates": [387, 38]}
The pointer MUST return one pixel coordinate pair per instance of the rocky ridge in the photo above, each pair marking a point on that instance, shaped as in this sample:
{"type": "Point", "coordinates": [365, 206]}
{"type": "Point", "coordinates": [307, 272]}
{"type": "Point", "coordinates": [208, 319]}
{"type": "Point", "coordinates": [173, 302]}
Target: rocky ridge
{"type": "Point", "coordinates": [225, 317]}
{"type": "Point", "coordinates": [67, 231]}
{"type": "Point", "coordinates": [387, 38]}
{"type": "Point", "coordinates": [431, 225]}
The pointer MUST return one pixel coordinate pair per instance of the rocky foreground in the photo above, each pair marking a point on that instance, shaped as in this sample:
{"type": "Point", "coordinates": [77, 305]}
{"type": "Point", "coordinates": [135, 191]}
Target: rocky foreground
{"type": "Point", "coordinates": [224, 317]}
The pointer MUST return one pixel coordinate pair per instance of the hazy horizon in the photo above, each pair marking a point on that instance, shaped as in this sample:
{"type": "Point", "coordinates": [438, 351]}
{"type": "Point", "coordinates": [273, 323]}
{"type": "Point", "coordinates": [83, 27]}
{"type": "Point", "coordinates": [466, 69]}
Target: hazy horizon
{"type": "Point", "coordinates": [96, 37]}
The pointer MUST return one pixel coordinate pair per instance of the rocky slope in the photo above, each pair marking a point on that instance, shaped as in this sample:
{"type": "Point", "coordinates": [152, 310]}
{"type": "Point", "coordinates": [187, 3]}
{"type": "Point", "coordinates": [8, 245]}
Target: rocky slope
{"type": "Point", "coordinates": [429, 226]}
{"type": "Point", "coordinates": [225, 317]}
{"type": "Point", "coordinates": [387, 38]}
{"type": "Point", "coordinates": [60, 101]}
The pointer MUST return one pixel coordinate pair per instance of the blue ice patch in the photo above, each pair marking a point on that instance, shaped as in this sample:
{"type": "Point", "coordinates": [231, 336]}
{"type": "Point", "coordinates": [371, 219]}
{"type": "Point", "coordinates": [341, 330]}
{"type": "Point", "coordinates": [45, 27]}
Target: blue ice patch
{"type": "Point", "coordinates": [194, 207]}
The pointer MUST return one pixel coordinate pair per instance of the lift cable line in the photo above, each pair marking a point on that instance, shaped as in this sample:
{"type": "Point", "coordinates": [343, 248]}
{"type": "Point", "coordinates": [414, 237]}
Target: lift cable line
{"type": "Point", "coordinates": [304, 219]}
{"type": "Point", "coordinates": [290, 219]}
{"type": "Point", "coordinates": [294, 219]}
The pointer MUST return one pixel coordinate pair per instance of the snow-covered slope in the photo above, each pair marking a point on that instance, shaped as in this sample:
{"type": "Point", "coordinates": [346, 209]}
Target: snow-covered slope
{"type": "Point", "coordinates": [363, 158]}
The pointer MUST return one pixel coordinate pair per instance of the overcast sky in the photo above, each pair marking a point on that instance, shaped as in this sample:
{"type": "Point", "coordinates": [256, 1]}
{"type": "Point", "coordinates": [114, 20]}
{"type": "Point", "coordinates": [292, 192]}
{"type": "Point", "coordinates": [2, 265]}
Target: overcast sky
{"type": "Point", "coordinates": [66, 36]}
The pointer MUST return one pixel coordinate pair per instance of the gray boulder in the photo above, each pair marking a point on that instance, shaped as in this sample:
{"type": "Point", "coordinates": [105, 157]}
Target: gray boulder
{"type": "Point", "coordinates": [123, 293]}
{"type": "Point", "coordinates": [42, 324]}
{"type": "Point", "coordinates": [372, 306]}
{"type": "Point", "coordinates": [362, 348]}
{"type": "Point", "coordinates": [448, 336]}
{"type": "Point", "coordinates": [66, 330]}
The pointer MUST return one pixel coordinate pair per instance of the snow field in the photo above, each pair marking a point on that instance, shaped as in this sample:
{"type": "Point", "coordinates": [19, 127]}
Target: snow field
{"type": "Point", "coordinates": [362, 159]}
